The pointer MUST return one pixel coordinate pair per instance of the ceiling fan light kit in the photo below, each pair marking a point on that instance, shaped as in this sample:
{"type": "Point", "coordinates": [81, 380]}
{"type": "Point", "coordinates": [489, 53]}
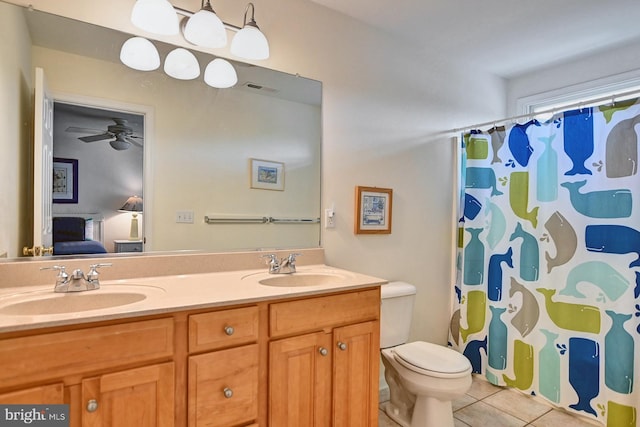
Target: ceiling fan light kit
{"type": "Point", "coordinates": [120, 143]}
{"type": "Point", "coordinates": [120, 134]}
{"type": "Point", "coordinates": [204, 29]}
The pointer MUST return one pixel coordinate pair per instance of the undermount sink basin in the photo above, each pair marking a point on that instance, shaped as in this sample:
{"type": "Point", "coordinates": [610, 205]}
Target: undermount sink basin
{"type": "Point", "coordinates": [302, 279]}
{"type": "Point", "coordinates": [45, 303]}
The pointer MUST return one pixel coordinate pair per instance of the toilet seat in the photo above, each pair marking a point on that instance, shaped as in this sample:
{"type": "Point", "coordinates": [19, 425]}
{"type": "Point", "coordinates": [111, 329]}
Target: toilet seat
{"type": "Point", "coordinates": [432, 359]}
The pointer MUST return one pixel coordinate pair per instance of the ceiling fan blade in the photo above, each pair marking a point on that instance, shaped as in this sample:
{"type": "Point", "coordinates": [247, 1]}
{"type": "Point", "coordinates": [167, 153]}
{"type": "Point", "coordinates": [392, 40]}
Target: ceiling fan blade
{"type": "Point", "coordinates": [130, 139]}
{"type": "Point", "coordinates": [94, 138]}
{"type": "Point", "coordinates": [82, 130]}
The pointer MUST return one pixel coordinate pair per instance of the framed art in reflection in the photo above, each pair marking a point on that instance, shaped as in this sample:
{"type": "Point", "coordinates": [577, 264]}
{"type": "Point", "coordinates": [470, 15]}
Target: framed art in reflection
{"type": "Point", "coordinates": [65, 180]}
{"type": "Point", "coordinates": [267, 175]}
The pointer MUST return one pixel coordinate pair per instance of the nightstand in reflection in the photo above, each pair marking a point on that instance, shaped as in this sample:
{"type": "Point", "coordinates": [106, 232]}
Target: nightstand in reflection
{"type": "Point", "coordinates": [127, 245]}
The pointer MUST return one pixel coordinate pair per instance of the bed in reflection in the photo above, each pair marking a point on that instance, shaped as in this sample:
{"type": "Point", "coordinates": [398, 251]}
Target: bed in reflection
{"type": "Point", "coordinates": [78, 234]}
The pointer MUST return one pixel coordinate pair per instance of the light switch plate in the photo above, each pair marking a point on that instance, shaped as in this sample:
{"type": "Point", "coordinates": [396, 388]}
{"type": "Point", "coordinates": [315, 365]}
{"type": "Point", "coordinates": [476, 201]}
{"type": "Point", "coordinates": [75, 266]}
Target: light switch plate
{"type": "Point", "coordinates": [184, 217]}
{"type": "Point", "coordinates": [329, 218]}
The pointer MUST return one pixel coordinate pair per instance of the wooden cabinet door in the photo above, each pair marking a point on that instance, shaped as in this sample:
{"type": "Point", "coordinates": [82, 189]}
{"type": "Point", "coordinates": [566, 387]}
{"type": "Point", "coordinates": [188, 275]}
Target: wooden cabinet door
{"type": "Point", "coordinates": [140, 397]}
{"type": "Point", "coordinates": [300, 381]}
{"type": "Point", "coordinates": [43, 395]}
{"type": "Point", "coordinates": [355, 375]}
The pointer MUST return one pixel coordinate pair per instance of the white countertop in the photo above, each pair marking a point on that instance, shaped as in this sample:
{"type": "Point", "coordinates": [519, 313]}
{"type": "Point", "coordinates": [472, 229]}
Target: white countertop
{"type": "Point", "coordinates": [175, 293]}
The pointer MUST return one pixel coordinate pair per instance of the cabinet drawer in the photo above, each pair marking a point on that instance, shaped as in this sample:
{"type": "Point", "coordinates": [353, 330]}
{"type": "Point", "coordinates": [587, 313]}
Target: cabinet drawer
{"type": "Point", "coordinates": [313, 314]}
{"type": "Point", "coordinates": [54, 355]}
{"type": "Point", "coordinates": [210, 375]}
{"type": "Point", "coordinates": [226, 328]}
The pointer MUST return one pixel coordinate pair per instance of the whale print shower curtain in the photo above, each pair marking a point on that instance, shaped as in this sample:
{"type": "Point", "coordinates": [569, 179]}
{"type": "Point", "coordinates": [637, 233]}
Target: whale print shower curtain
{"type": "Point", "coordinates": [547, 298]}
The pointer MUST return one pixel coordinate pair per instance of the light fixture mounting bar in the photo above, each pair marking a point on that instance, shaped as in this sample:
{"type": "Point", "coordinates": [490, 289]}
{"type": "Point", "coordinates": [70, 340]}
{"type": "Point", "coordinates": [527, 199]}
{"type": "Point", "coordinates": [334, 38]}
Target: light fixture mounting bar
{"type": "Point", "coordinates": [188, 14]}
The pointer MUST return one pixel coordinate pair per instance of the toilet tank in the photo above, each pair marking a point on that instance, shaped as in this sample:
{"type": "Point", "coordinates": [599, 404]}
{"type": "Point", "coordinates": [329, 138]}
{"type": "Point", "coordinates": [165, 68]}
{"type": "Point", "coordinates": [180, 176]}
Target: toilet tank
{"type": "Point", "coordinates": [395, 313]}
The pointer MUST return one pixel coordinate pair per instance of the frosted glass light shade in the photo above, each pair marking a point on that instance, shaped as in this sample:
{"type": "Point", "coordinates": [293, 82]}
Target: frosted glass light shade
{"type": "Point", "coordinates": [205, 29]}
{"type": "Point", "coordinates": [250, 43]}
{"type": "Point", "coordinates": [220, 74]}
{"type": "Point", "coordinates": [155, 16]}
{"type": "Point", "coordinates": [140, 54]}
{"type": "Point", "coordinates": [181, 64]}
{"type": "Point", "coordinates": [120, 144]}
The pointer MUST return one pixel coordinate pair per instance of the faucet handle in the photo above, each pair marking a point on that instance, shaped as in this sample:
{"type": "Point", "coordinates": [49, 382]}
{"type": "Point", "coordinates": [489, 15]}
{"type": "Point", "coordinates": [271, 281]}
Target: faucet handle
{"type": "Point", "coordinates": [62, 279]}
{"type": "Point", "coordinates": [94, 267]}
{"type": "Point", "coordinates": [54, 267]}
{"type": "Point", "coordinates": [273, 263]}
{"type": "Point", "coordinates": [92, 275]}
{"type": "Point", "coordinates": [60, 268]}
{"type": "Point", "coordinates": [273, 259]}
{"type": "Point", "coordinates": [292, 257]}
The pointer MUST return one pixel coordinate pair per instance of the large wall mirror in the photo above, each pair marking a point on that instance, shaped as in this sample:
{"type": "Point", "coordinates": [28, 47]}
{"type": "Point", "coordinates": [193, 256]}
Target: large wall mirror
{"type": "Point", "coordinates": [200, 145]}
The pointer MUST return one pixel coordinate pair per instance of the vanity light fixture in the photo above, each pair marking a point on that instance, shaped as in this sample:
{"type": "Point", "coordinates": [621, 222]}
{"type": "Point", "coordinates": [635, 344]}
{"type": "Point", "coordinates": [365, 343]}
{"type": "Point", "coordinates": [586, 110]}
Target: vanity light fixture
{"type": "Point", "coordinates": [203, 28]}
{"type": "Point", "coordinates": [155, 16]}
{"type": "Point", "coordinates": [134, 205]}
{"type": "Point", "coordinates": [140, 54]}
{"type": "Point", "coordinates": [250, 42]}
{"type": "Point", "coordinates": [181, 64]}
{"type": "Point", "coordinates": [220, 74]}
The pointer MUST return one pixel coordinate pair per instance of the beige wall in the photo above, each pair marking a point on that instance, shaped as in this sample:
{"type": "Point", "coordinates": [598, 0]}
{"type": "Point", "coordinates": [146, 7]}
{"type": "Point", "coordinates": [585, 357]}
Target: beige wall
{"type": "Point", "coordinates": [386, 110]}
{"type": "Point", "coordinates": [15, 107]}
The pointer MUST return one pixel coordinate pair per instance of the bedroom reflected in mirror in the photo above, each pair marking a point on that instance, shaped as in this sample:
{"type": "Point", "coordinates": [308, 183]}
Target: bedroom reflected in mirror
{"type": "Point", "coordinates": [98, 164]}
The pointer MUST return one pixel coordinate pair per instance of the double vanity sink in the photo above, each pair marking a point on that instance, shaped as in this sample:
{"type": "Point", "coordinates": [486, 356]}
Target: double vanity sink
{"type": "Point", "coordinates": [226, 348]}
{"type": "Point", "coordinates": [39, 306]}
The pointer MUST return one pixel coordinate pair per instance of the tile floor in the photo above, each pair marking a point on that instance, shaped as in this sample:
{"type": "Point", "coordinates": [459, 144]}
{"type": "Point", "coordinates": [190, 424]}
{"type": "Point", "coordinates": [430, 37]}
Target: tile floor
{"type": "Point", "coordinates": [486, 405]}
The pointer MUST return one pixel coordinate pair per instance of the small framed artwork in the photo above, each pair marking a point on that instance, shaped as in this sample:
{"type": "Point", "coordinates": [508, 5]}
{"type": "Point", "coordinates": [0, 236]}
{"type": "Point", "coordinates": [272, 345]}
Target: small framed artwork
{"type": "Point", "coordinates": [373, 210]}
{"type": "Point", "coordinates": [267, 175]}
{"type": "Point", "coordinates": [65, 180]}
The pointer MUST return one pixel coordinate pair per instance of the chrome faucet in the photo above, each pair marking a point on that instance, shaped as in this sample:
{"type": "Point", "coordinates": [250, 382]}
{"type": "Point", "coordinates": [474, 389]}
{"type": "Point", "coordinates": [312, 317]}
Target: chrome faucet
{"type": "Point", "coordinates": [77, 281]}
{"type": "Point", "coordinates": [286, 265]}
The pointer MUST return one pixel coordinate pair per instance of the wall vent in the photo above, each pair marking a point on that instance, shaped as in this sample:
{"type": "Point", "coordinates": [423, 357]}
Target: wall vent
{"type": "Point", "coordinates": [256, 86]}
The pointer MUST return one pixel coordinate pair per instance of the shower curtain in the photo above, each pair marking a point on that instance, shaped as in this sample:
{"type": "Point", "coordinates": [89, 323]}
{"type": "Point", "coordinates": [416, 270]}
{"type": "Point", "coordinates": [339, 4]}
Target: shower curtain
{"type": "Point", "coordinates": [547, 295]}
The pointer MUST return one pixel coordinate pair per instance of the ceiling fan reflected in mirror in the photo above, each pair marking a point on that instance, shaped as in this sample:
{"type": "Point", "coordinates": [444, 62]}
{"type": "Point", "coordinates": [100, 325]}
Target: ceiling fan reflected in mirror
{"type": "Point", "coordinates": [120, 134]}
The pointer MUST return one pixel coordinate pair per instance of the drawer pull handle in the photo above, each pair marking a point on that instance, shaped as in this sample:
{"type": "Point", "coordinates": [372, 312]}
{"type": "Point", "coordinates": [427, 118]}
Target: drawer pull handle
{"type": "Point", "coordinates": [228, 393]}
{"type": "Point", "coordinates": [342, 346]}
{"type": "Point", "coordinates": [229, 330]}
{"type": "Point", "coordinates": [323, 351]}
{"type": "Point", "coordinates": [92, 405]}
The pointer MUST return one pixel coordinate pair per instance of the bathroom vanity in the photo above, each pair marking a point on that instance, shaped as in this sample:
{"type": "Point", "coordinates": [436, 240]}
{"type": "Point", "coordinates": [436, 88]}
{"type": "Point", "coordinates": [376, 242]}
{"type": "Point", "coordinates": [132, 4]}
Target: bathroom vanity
{"type": "Point", "coordinates": [212, 349]}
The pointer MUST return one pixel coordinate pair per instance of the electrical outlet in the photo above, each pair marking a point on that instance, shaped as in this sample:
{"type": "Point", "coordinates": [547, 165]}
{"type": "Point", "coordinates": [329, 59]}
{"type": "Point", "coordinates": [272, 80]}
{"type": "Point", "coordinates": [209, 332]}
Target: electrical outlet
{"type": "Point", "coordinates": [329, 218]}
{"type": "Point", "coordinates": [184, 217]}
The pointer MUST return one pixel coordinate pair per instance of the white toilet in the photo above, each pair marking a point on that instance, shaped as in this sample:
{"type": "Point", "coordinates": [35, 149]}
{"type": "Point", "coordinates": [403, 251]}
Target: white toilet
{"type": "Point", "coordinates": [423, 378]}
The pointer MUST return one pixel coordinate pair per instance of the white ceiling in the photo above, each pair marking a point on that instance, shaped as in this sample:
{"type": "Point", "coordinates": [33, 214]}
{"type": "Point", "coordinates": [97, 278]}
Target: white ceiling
{"type": "Point", "coordinates": [504, 37]}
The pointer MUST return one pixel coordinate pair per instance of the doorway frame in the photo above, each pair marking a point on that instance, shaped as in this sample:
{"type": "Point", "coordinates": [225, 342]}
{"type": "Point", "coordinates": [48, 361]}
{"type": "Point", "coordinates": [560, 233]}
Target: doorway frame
{"type": "Point", "coordinates": [148, 113]}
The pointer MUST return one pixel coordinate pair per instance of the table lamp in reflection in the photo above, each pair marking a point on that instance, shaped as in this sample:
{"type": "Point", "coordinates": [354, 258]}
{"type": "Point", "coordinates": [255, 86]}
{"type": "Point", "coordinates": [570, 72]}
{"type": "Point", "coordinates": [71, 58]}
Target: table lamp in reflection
{"type": "Point", "coordinates": [133, 205]}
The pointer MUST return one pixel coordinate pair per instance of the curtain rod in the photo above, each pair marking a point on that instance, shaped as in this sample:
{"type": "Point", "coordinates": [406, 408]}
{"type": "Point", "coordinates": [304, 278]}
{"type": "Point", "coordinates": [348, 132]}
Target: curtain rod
{"type": "Point", "coordinates": [596, 101]}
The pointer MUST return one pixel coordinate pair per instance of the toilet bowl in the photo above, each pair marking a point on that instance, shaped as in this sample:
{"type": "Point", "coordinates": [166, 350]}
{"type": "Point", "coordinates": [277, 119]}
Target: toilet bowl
{"type": "Point", "coordinates": [423, 378]}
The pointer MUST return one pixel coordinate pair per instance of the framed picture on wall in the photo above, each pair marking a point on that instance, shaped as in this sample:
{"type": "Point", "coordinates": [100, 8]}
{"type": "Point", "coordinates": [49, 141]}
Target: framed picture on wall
{"type": "Point", "coordinates": [266, 174]}
{"type": "Point", "coordinates": [373, 210]}
{"type": "Point", "coordinates": [65, 180]}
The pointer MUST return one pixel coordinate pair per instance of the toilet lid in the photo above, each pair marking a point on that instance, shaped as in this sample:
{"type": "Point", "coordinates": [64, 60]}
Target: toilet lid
{"type": "Point", "coordinates": [432, 357]}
